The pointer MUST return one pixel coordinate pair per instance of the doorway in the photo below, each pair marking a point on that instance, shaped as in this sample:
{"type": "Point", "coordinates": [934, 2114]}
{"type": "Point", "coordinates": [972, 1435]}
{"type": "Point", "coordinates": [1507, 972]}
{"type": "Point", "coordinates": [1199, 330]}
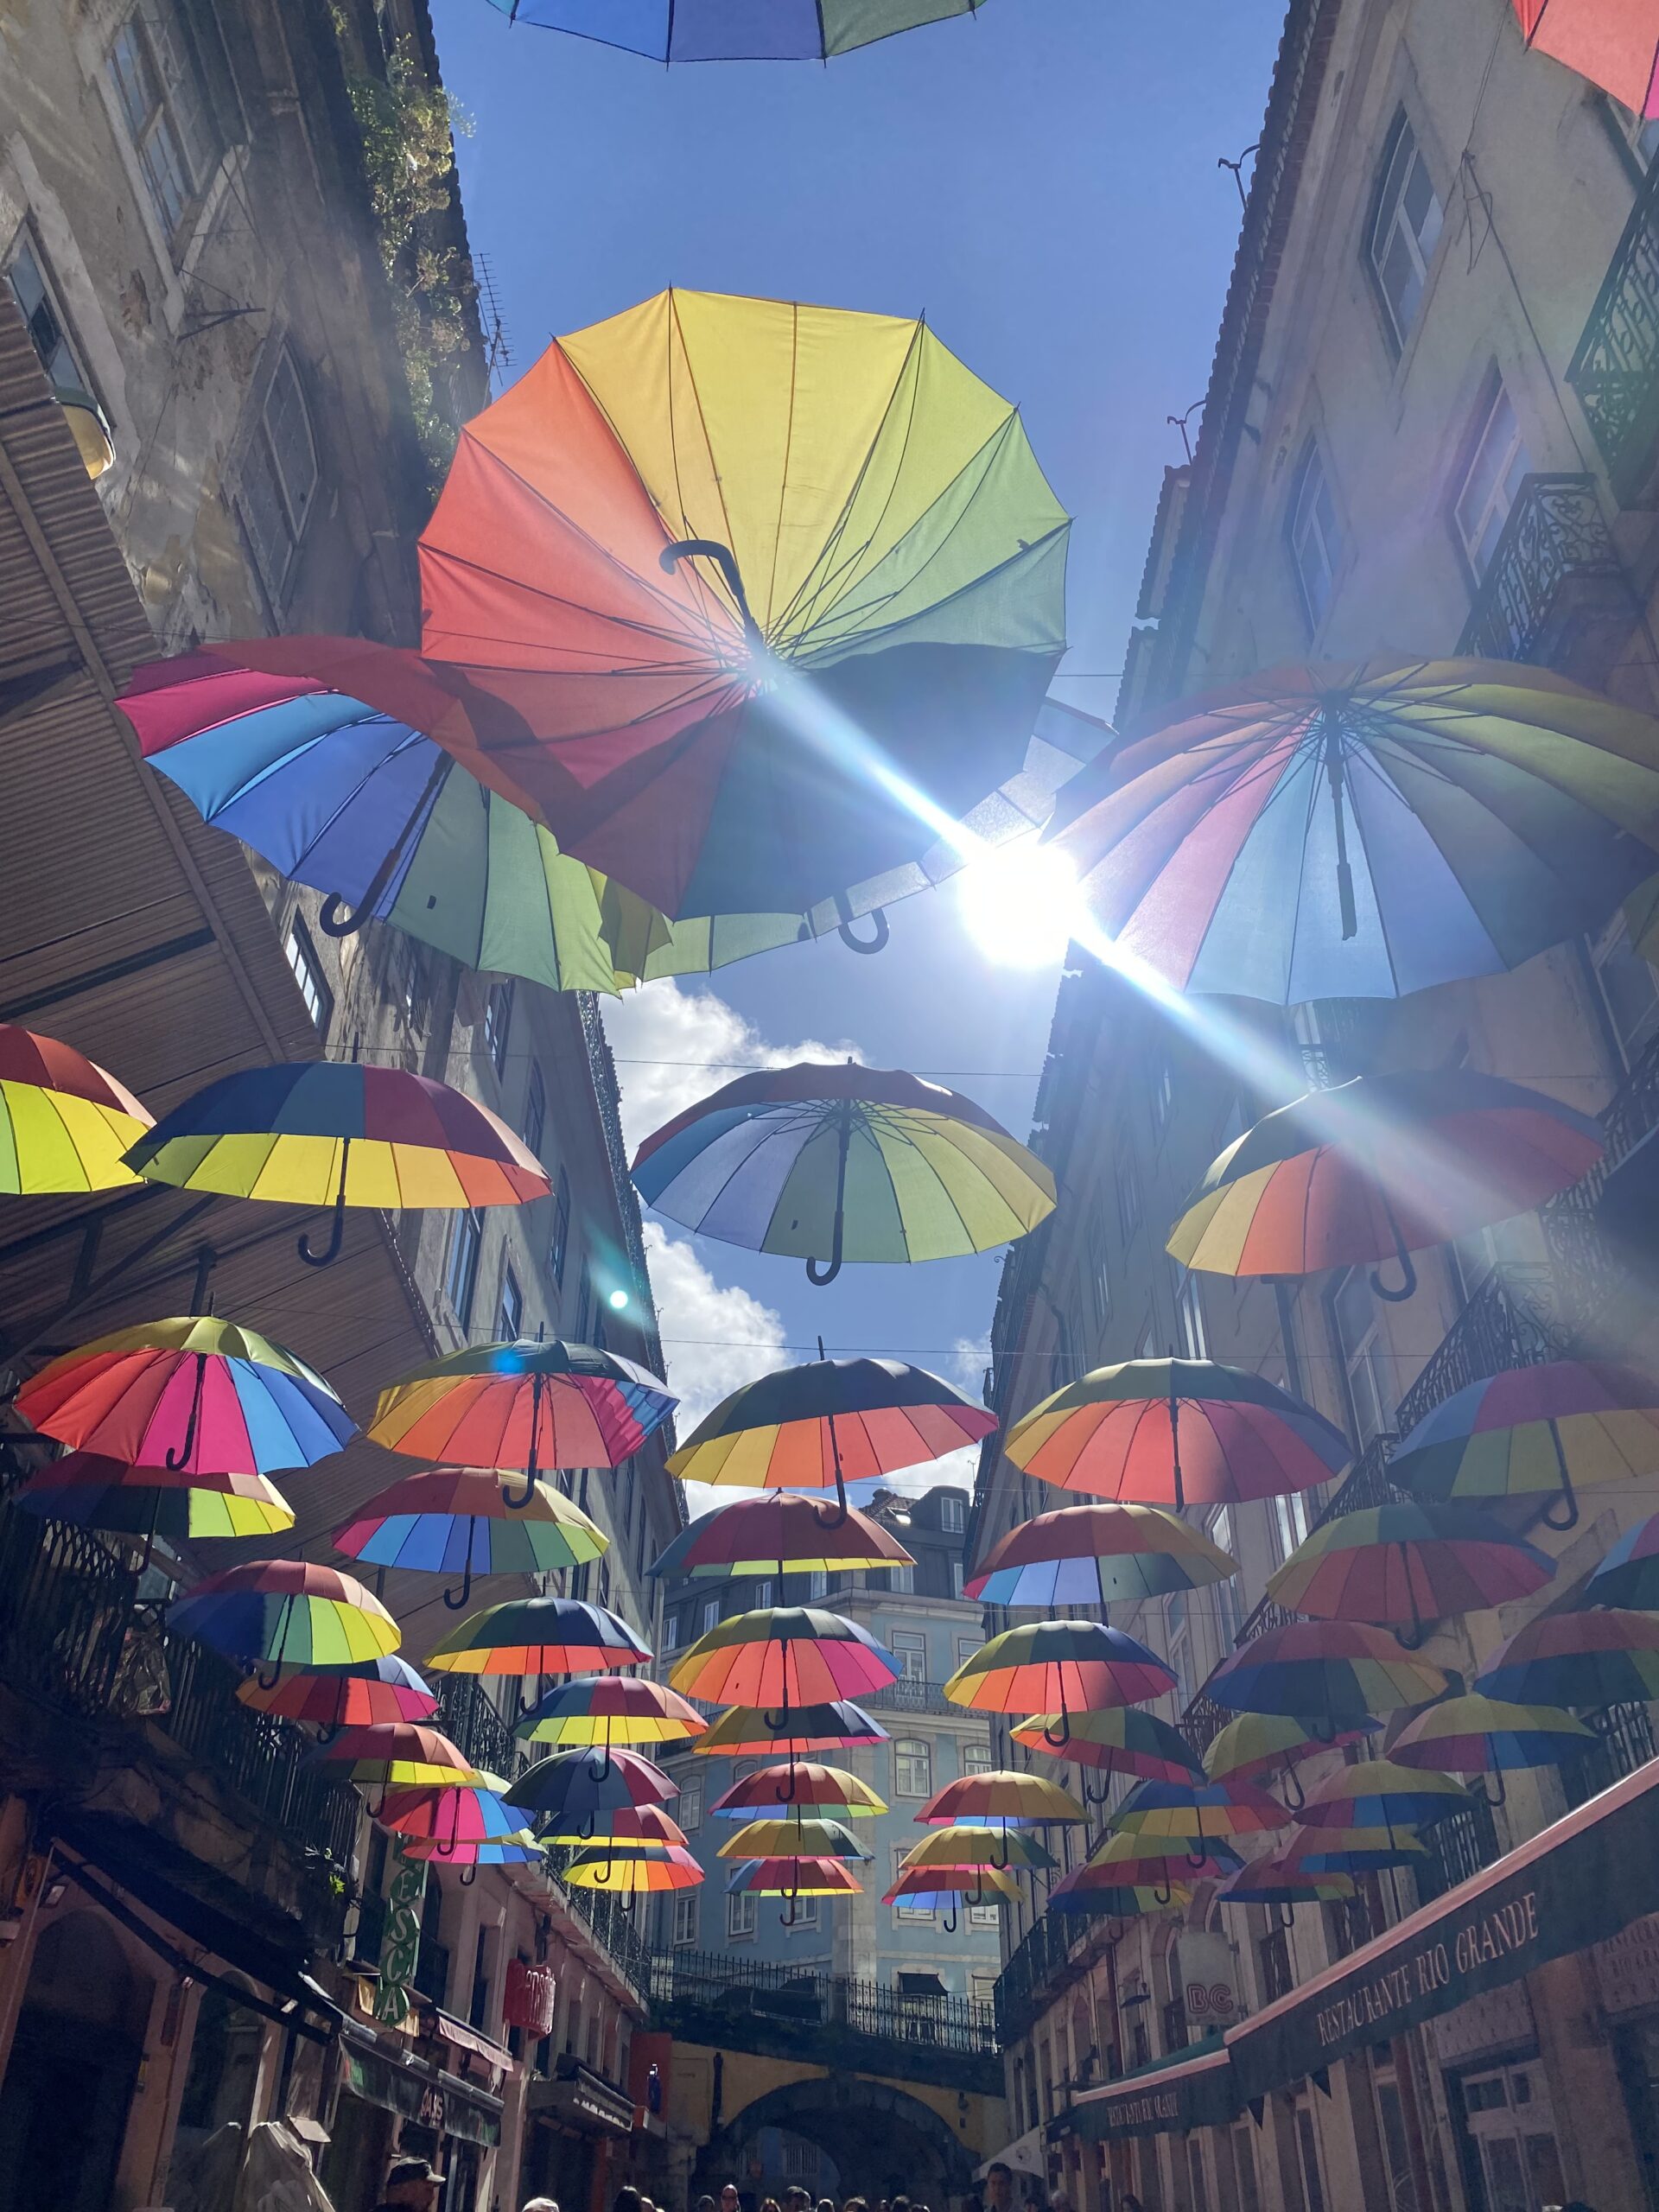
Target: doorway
{"type": "Point", "coordinates": [1507, 2114]}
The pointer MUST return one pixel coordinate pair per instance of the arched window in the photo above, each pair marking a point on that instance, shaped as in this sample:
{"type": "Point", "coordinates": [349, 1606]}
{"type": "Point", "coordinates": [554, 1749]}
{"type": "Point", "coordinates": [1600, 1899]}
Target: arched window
{"type": "Point", "coordinates": [912, 1767]}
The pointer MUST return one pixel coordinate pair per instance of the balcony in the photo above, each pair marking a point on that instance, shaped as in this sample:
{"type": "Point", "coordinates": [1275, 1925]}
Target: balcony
{"type": "Point", "coordinates": [610, 1919]}
{"type": "Point", "coordinates": [907, 1696]}
{"type": "Point", "coordinates": [1613, 370]}
{"type": "Point", "coordinates": [1455, 1849]}
{"type": "Point", "coordinates": [472, 1723]}
{"type": "Point", "coordinates": [1555, 590]}
{"type": "Point", "coordinates": [1023, 1986]}
{"type": "Point", "coordinates": [1626, 1735]}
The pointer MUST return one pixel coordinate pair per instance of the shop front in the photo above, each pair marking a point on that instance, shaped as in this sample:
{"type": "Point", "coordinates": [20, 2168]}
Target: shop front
{"type": "Point", "coordinates": [577, 2135]}
{"type": "Point", "coordinates": [393, 2102]}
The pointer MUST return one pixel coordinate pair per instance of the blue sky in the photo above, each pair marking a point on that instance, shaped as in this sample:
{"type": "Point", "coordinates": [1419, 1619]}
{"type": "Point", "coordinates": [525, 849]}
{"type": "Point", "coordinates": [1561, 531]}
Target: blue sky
{"type": "Point", "coordinates": [1041, 182]}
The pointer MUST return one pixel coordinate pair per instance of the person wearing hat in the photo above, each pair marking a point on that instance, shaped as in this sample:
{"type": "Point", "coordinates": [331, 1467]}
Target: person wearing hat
{"type": "Point", "coordinates": [413, 2185]}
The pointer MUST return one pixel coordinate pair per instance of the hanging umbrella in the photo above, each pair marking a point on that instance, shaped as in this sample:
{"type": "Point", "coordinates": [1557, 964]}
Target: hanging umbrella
{"type": "Point", "coordinates": [1135, 1862]}
{"type": "Point", "coordinates": [1009, 1798]}
{"type": "Point", "coordinates": [1482, 1735]}
{"type": "Point", "coordinates": [92, 1491]}
{"type": "Point", "coordinates": [1407, 1564]}
{"type": "Point", "coordinates": [783, 1656]}
{"type": "Point", "coordinates": [1322, 1851]}
{"type": "Point", "coordinates": [745, 1731]}
{"type": "Point", "coordinates": [1014, 1849]}
{"type": "Point", "coordinates": [1275, 1881]}
{"type": "Point", "coordinates": [1097, 1555]}
{"type": "Point", "coordinates": [1615, 43]}
{"type": "Point", "coordinates": [538, 1636]}
{"type": "Point", "coordinates": [1383, 1165]}
{"type": "Point", "coordinates": [1119, 1741]}
{"type": "Point", "coordinates": [1378, 1794]}
{"type": "Point", "coordinates": [1064, 1666]}
{"type": "Point", "coordinates": [1117, 1900]}
{"type": "Point", "coordinates": [1585, 1660]}
{"type": "Point", "coordinates": [605, 1709]}
{"type": "Point", "coordinates": [387, 1688]}
{"type": "Point", "coordinates": [519, 1849]}
{"type": "Point", "coordinates": [469, 1520]}
{"type": "Point", "coordinates": [396, 1754]}
{"type": "Point", "coordinates": [1557, 1427]}
{"type": "Point", "coordinates": [852, 1163]}
{"type": "Point", "coordinates": [1177, 1432]}
{"type": "Point", "coordinates": [1269, 1747]}
{"type": "Point", "coordinates": [319, 1133]}
{"type": "Point", "coordinates": [1365, 832]}
{"type": "Point", "coordinates": [526, 1405]}
{"type": "Point", "coordinates": [1331, 1676]}
{"type": "Point", "coordinates": [793, 1878]}
{"type": "Point", "coordinates": [646, 1827]}
{"type": "Point", "coordinates": [1628, 1577]}
{"type": "Point", "coordinates": [632, 1870]}
{"type": "Point", "coordinates": [278, 1612]}
{"type": "Point", "coordinates": [781, 1532]}
{"type": "Point", "coordinates": [807, 1785]}
{"type": "Point", "coordinates": [64, 1124]}
{"type": "Point", "coordinates": [457, 1813]}
{"type": "Point", "coordinates": [727, 30]}
{"type": "Point", "coordinates": [579, 1790]}
{"type": "Point", "coordinates": [931, 1889]}
{"type": "Point", "coordinates": [191, 1396]}
{"type": "Point", "coordinates": [1199, 1813]}
{"type": "Point", "coordinates": [793, 1836]}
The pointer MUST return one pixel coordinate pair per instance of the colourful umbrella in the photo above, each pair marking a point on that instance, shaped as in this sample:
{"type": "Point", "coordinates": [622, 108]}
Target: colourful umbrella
{"type": "Point", "coordinates": [929, 1889]}
{"type": "Point", "coordinates": [730, 30]}
{"type": "Point", "coordinates": [92, 1491]}
{"type": "Point", "coordinates": [396, 1754]}
{"type": "Point", "coordinates": [647, 1827]}
{"type": "Point", "coordinates": [1482, 1735]}
{"type": "Point", "coordinates": [1135, 1862]}
{"type": "Point", "coordinates": [1097, 1555]}
{"type": "Point", "coordinates": [64, 1125]}
{"type": "Point", "coordinates": [960, 1845]}
{"type": "Point", "coordinates": [519, 1849]}
{"type": "Point", "coordinates": [829, 1421]}
{"type": "Point", "coordinates": [312, 1132]}
{"type": "Point", "coordinates": [1117, 1900]}
{"type": "Point", "coordinates": [632, 1870]}
{"type": "Point", "coordinates": [191, 1395]}
{"type": "Point", "coordinates": [1407, 1564]}
{"type": "Point", "coordinates": [1365, 832]}
{"type": "Point", "coordinates": [1198, 1813]}
{"type": "Point", "coordinates": [1269, 1747]}
{"type": "Point", "coordinates": [1064, 1667]}
{"type": "Point", "coordinates": [1283, 1882]}
{"type": "Point", "coordinates": [280, 1612]}
{"type": "Point", "coordinates": [862, 1164]}
{"type": "Point", "coordinates": [1329, 1674]}
{"type": "Point", "coordinates": [1378, 1794]}
{"type": "Point", "coordinates": [1015, 1800]}
{"type": "Point", "coordinates": [780, 1532]}
{"type": "Point", "coordinates": [836, 1725]}
{"type": "Point", "coordinates": [807, 1785]}
{"type": "Point", "coordinates": [784, 1657]}
{"type": "Point", "coordinates": [1615, 43]}
{"type": "Point", "coordinates": [387, 1688]}
{"type": "Point", "coordinates": [1586, 1660]}
{"type": "Point", "coordinates": [793, 1878]}
{"type": "Point", "coordinates": [1628, 1577]}
{"type": "Point", "coordinates": [1381, 1164]}
{"type": "Point", "coordinates": [1323, 1851]}
{"type": "Point", "coordinates": [470, 1520]}
{"type": "Point", "coordinates": [1177, 1432]}
{"type": "Point", "coordinates": [526, 1405]}
{"type": "Point", "coordinates": [1557, 1427]}
{"type": "Point", "coordinates": [605, 1709]}
{"type": "Point", "coordinates": [1119, 1741]}
{"type": "Point", "coordinates": [459, 1813]}
{"type": "Point", "coordinates": [538, 1636]}
{"type": "Point", "coordinates": [793, 1836]}
{"type": "Point", "coordinates": [579, 1790]}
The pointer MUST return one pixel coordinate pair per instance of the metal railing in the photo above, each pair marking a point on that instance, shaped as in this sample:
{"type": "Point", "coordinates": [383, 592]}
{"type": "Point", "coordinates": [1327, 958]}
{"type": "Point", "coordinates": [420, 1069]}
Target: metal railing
{"type": "Point", "coordinates": [712, 1983]}
{"type": "Point", "coordinates": [472, 1725]}
{"type": "Point", "coordinates": [908, 1696]}
{"type": "Point", "coordinates": [1455, 1849]}
{"type": "Point", "coordinates": [1555, 534]}
{"type": "Point", "coordinates": [1625, 1734]}
{"type": "Point", "coordinates": [1022, 1987]}
{"type": "Point", "coordinates": [1510, 1322]}
{"type": "Point", "coordinates": [610, 1919]}
{"type": "Point", "coordinates": [1615, 367]}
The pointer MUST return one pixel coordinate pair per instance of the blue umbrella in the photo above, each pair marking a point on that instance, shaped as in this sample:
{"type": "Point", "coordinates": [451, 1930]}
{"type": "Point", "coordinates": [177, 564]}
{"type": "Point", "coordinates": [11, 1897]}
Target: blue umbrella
{"type": "Point", "coordinates": [734, 30]}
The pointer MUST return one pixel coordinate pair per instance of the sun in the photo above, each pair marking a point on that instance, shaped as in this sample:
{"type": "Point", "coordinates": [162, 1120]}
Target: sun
{"type": "Point", "coordinates": [1021, 904]}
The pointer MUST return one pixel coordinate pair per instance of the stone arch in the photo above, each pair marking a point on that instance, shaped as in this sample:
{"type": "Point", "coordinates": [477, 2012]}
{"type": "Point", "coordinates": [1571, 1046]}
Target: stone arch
{"type": "Point", "coordinates": [880, 2138]}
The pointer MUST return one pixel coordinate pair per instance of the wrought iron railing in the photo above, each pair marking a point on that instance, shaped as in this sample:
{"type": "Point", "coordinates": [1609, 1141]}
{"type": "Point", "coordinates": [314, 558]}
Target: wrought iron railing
{"type": "Point", "coordinates": [612, 1922]}
{"type": "Point", "coordinates": [711, 1982]}
{"type": "Point", "coordinates": [1555, 534]}
{"type": "Point", "coordinates": [65, 1611]}
{"type": "Point", "coordinates": [1615, 368]}
{"type": "Point", "coordinates": [908, 1696]}
{"type": "Point", "coordinates": [1510, 1322]}
{"type": "Point", "coordinates": [1022, 1986]}
{"type": "Point", "coordinates": [467, 1718]}
{"type": "Point", "coordinates": [1626, 1741]}
{"type": "Point", "coordinates": [1455, 1849]}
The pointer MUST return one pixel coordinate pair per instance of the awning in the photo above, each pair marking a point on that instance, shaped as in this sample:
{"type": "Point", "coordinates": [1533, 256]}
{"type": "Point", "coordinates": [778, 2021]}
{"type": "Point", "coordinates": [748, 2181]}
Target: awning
{"type": "Point", "coordinates": [1194, 2087]}
{"type": "Point", "coordinates": [1026, 2155]}
{"type": "Point", "coordinates": [443, 2027]}
{"type": "Point", "coordinates": [583, 2099]}
{"type": "Point", "coordinates": [1578, 1882]}
{"type": "Point", "coordinates": [401, 2083]}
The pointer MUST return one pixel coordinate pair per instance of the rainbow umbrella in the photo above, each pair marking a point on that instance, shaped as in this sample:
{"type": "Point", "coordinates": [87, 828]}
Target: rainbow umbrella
{"type": "Point", "coordinates": [387, 1688]}
{"type": "Point", "coordinates": [605, 1709]}
{"type": "Point", "coordinates": [1381, 1166]}
{"type": "Point", "coordinates": [929, 1889]}
{"type": "Point", "coordinates": [1270, 1747]}
{"type": "Point", "coordinates": [1177, 1432]}
{"type": "Point", "coordinates": [646, 1827]}
{"type": "Point", "coordinates": [1012, 1799]}
{"type": "Point", "coordinates": [779, 1532]}
{"type": "Point", "coordinates": [806, 1786]}
{"type": "Point", "coordinates": [1062, 1666]}
{"type": "Point", "coordinates": [834, 1726]}
{"type": "Point", "coordinates": [192, 1395]}
{"type": "Point", "coordinates": [1586, 1660]}
{"type": "Point", "coordinates": [1628, 1577]}
{"type": "Point", "coordinates": [1119, 1741]}
{"type": "Point", "coordinates": [1323, 1851]}
{"type": "Point", "coordinates": [578, 1791]}
{"type": "Point", "coordinates": [1198, 1813]}
{"type": "Point", "coordinates": [91, 1491]}
{"type": "Point", "coordinates": [278, 1612]}
{"type": "Point", "coordinates": [863, 1163]}
{"type": "Point", "coordinates": [783, 1656]}
{"type": "Point", "coordinates": [1134, 1862]}
{"type": "Point", "coordinates": [1284, 1882]}
{"type": "Point", "coordinates": [396, 1754]}
{"type": "Point", "coordinates": [469, 1519]}
{"type": "Point", "coordinates": [1551, 1429]}
{"type": "Point", "coordinates": [729, 30]}
{"type": "Point", "coordinates": [793, 1878]}
{"type": "Point", "coordinates": [1117, 1900]}
{"type": "Point", "coordinates": [1097, 1555]}
{"type": "Point", "coordinates": [793, 1835]}
{"type": "Point", "coordinates": [64, 1124]}
{"type": "Point", "coordinates": [316, 1133]}
{"type": "Point", "coordinates": [829, 1421]}
{"type": "Point", "coordinates": [1482, 1735]}
{"type": "Point", "coordinates": [525, 1405]}
{"type": "Point", "coordinates": [632, 1870]}
{"type": "Point", "coordinates": [1328, 1675]}
{"type": "Point", "coordinates": [538, 1636]}
{"type": "Point", "coordinates": [457, 1812]}
{"type": "Point", "coordinates": [1014, 1849]}
{"type": "Point", "coordinates": [1364, 831]}
{"type": "Point", "coordinates": [1378, 1794]}
{"type": "Point", "coordinates": [519, 1849]}
{"type": "Point", "coordinates": [1615, 43]}
{"type": "Point", "coordinates": [1407, 1564]}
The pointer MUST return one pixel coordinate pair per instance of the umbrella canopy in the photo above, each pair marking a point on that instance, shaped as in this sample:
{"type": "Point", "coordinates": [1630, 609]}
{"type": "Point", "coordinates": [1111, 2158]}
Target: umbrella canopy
{"type": "Point", "coordinates": [726, 30]}
{"type": "Point", "coordinates": [460, 1812]}
{"type": "Point", "coordinates": [1134, 1862]}
{"type": "Point", "coordinates": [836, 1725]}
{"type": "Point", "coordinates": [192, 1395]}
{"type": "Point", "coordinates": [1097, 1555]}
{"type": "Point", "coordinates": [1117, 1900]}
{"type": "Point", "coordinates": [1585, 1660]}
{"type": "Point", "coordinates": [647, 1826]}
{"type": "Point", "coordinates": [783, 1656]}
{"type": "Point", "coordinates": [1199, 1810]}
{"type": "Point", "coordinates": [604, 1709]}
{"type": "Point", "coordinates": [1561, 1425]}
{"type": "Point", "coordinates": [1059, 1666]}
{"type": "Point", "coordinates": [1177, 1432]}
{"type": "Point", "coordinates": [836, 1163]}
{"type": "Point", "coordinates": [1015, 1800]}
{"type": "Point", "coordinates": [537, 1636]}
{"type": "Point", "coordinates": [1261, 1746]}
{"type": "Point", "coordinates": [1378, 1794]}
{"type": "Point", "coordinates": [1118, 1741]}
{"type": "Point", "coordinates": [387, 1688]}
{"type": "Point", "coordinates": [806, 1785]}
{"type": "Point", "coordinates": [777, 1534]}
{"type": "Point", "coordinates": [1330, 1674]}
{"type": "Point", "coordinates": [397, 1751]}
{"type": "Point", "coordinates": [1615, 43]}
{"type": "Point", "coordinates": [1365, 832]}
{"type": "Point", "coordinates": [519, 1849]}
{"type": "Point", "coordinates": [1628, 1577]}
{"type": "Point", "coordinates": [632, 1870]}
{"type": "Point", "coordinates": [962, 1846]}
{"type": "Point", "coordinates": [526, 1404]}
{"type": "Point", "coordinates": [285, 1612]}
{"type": "Point", "coordinates": [1280, 1881]}
{"type": "Point", "coordinates": [96, 1492]}
{"type": "Point", "coordinates": [1321, 1850]}
{"type": "Point", "coordinates": [1407, 1564]}
{"type": "Point", "coordinates": [1381, 1164]}
{"type": "Point", "coordinates": [1483, 1735]}
{"type": "Point", "coordinates": [579, 1789]}
{"type": "Point", "coordinates": [795, 1835]}
{"type": "Point", "coordinates": [470, 1520]}
{"type": "Point", "coordinates": [793, 1878]}
{"type": "Point", "coordinates": [927, 1889]}
{"type": "Point", "coordinates": [64, 1125]}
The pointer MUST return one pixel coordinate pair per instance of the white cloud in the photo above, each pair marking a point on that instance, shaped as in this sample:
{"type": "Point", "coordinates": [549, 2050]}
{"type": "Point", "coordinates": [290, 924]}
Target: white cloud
{"type": "Point", "coordinates": [716, 1337]}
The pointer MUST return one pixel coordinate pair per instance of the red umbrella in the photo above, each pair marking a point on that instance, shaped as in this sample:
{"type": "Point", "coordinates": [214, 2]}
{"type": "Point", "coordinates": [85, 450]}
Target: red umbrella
{"type": "Point", "coordinates": [1615, 43]}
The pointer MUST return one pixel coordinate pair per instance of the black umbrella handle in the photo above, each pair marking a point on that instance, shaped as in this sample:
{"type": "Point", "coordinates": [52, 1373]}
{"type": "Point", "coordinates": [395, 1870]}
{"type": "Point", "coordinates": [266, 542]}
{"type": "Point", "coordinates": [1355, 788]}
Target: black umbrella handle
{"type": "Point", "coordinates": [1407, 1270]}
{"type": "Point", "coordinates": [830, 1272]}
{"type": "Point", "coordinates": [334, 917]}
{"type": "Point", "coordinates": [1568, 1497]}
{"type": "Point", "coordinates": [516, 1501]}
{"type": "Point", "coordinates": [188, 1444]}
{"type": "Point", "coordinates": [710, 549]}
{"type": "Point", "coordinates": [875, 943]}
{"type": "Point", "coordinates": [455, 1599]}
{"type": "Point", "coordinates": [330, 1251]}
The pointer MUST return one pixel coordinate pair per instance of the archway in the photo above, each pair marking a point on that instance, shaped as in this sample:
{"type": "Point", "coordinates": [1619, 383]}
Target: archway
{"type": "Point", "coordinates": [883, 2142]}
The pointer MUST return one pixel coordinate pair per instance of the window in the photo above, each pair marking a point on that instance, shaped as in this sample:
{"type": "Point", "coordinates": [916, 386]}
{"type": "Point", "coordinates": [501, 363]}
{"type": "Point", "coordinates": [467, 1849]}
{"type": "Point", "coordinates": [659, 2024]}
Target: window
{"type": "Point", "coordinates": [1491, 483]}
{"type": "Point", "coordinates": [902, 1910]}
{"type": "Point", "coordinates": [308, 973]}
{"type": "Point", "coordinates": [966, 1647]}
{"type": "Point", "coordinates": [806, 1914]}
{"type": "Point", "coordinates": [710, 1615]}
{"type": "Point", "coordinates": [956, 1578]}
{"type": "Point", "coordinates": [535, 1111]}
{"type": "Point", "coordinates": [1630, 990]}
{"type": "Point", "coordinates": [604, 1582]}
{"type": "Point", "coordinates": [1249, 2196]}
{"type": "Point", "coordinates": [584, 1310]}
{"type": "Point", "coordinates": [26, 273]}
{"type": "Point", "coordinates": [498, 1021]}
{"type": "Point", "coordinates": [461, 1265]}
{"type": "Point", "coordinates": [978, 1758]}
{"type": "Point", "coordinates": [1163, 1096]}
{"type": "Point", "coordinates": [817, 1585]}
{"type": "Point", "coordinates": [984, 1915]}
{"type": "Point", "coordinates": [953, 1516]}
{"type": "Point", "coordinates": [155, 82]}
{"type": "Point", "coordinates": [510, 1324]}
{"type": "Point", "coordinates": [1291, 1521]}
{"type": "Point", "coordinates": [902, 1580]}
{"type": "Point", "coordinates": [910, 1652]}
{"type": "Point", "coordinates": [686, 1920]}
{"type": "Point", "coordinates": [1230, 1613]}
{"type": "Point", "coordinates": [912, 1767]}
{"type": "Point", "coordinates": [278, 476]}
{"type": "Point", "coordinates": [670, 1632]}
{"type": "Point", "coordinates": [560, 1242]}
{"type": "Point", "coordinates": [1128, 1199]}
{"type": "Point", "coordinates": [762, 1596]}
{"type": "Point", "coordinates": [1405, 231]}
{"type": "Point", "coordinates": [1366, 1360]}
{"type": "Point", "coordinates": [688, 1806]}
{"type": "Point", "coordinates": [740, 1914]}
{"type": "Point", "coordinates": [1315, 535]}
{"type": "Point", "coordinates": [1189, 1317]}
{"type": "Point", "coordinates": [1308, 2146]}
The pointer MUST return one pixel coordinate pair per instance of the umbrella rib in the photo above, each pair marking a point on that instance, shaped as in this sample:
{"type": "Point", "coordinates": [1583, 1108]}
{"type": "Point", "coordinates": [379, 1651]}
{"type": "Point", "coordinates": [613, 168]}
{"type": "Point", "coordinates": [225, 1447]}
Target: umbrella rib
{"type": "Point", "coordinates": [676, 329]}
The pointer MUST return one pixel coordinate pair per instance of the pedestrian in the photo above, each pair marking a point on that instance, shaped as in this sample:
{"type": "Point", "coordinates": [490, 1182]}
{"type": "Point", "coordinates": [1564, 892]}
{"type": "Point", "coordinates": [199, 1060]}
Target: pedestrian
{"type": "Point", "coordinates": [705, 2205]}
{"type": "Point", "coordinates": [771, 2204]}
{"type": "Point", "coordinates": [729, 2199]}
{"type": "Point", "coordinates": [999, 2186]}
{"type": "Point", "coordinates": [413, 2185]}
{"type": "Point", "coordinates": [627, 2200]}
{"type": "Point", "coordinates": [826, 2204]}
{"type": "Point", "coordinates": [542, 2204]}
{"type": "Point", "coordinates": [855, 2204]}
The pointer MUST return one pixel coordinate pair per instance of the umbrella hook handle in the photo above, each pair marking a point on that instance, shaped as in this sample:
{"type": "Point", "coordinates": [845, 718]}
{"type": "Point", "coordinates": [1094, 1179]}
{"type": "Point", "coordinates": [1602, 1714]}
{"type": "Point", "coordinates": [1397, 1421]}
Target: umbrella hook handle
{"type": "Point", "coordinates": [999, 1865]}
{"type": "Point", "coordinates": [950, 1923]}
{"type": "Point", "coordinates": [188, 1444]}
{"type": "Point", "coordinates": [829, 1275]}
{"type": "Point", "coordinates": [1568, 1496]}
{"type": "Point", "coordinates": [270, 1682]}
{"type": "Point", "coordinates": [1057, 1741]}
{"type": "Point", "coordinates": [835, 1518]}
{"type": "Point", "coordinates": [336, 922]}
{"type": "Point", "coordinates": [1414, 1638]}
{"type": "Point", "coordinates": [375, 1811]}
{"type": "Point", "coordinates": [470, 1876]}
{"type": "Point", "coordinates": [1407, 1270]}
{"type": "Point", "coordinates": [330, 1251]}
{"type": "Point", "coordinates": [1096, 1796]}
{"type": "Point", "coordinates": [869, 945]}
{"type": "Point", "coordinates": [602, 1879]}
{"type": "Point", "coordinates": [1291, 1783]}
{"type": "Point", "coordinates": [1500, 1795]}
{"type": "Point", "coordinates": [517, 1502]}
{"type": "Point", "coordinates": [1164, 1891]}
{"type": "Point", "coordinates": [455, 1600]}
{"type": "Point", "coordinates": [602, 1771]}
{"type": "Point", "coordinates": [710, 549]}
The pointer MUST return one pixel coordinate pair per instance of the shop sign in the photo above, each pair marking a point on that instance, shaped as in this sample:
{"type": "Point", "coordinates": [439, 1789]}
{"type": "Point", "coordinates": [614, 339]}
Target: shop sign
{"type": "Point", "coordinates": [1627, 1967]}
{"type": "Point", "coordinates": [1501, 2020]}
{"type": "Point", "coordinates": [1196, 2088]}
{"type": "Point", "coordinates": [1209, 1973]}
{"type": "Point", "coordinates": [528, 1998]}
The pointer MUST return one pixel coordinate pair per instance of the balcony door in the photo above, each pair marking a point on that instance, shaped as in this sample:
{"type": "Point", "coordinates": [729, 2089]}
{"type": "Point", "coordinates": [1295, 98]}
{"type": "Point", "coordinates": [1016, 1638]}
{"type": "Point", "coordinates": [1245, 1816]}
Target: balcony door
{"type": "Point", "coordinates": [1498, 464]}
{"type": "Point", "coordinates": [1513, 2133]}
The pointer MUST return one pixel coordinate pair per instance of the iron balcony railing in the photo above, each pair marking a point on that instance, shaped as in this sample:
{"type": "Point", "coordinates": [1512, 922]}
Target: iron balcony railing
{"type": "Point", "coordinates": [908, 1696]}
{"type": "Point", "coordinates": [712, 1983]}
{"type": "Point", "coordinates": [1615, 367]}
{"type": "Point", "coordinates": [611, 1919]}
{"type": "Point", "coordinates": [472, 1723]}
{"type": "Point", "coordinates": [1625, 1734]}
{"type": "Point", "coordinates": [1455, 1849]}
{"type": "Point", "coordinates": [1555, 545]}
{"type": "Point", "coordinates": [1021, 1989]}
